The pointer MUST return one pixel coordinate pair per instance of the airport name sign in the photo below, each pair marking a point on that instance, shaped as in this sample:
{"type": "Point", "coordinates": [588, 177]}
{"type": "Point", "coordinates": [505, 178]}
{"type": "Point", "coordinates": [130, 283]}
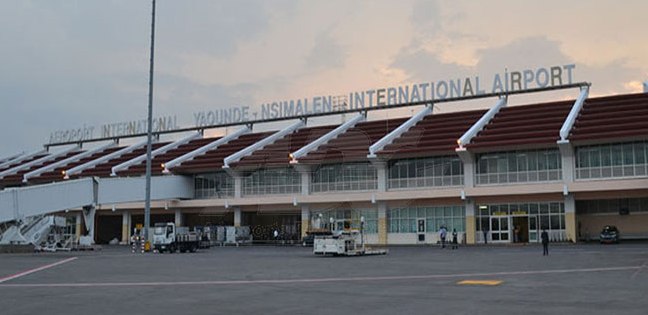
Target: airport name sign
{"type": "Point", "coordinates": [505, 82]}
{"type": "Point", "coordinates": [114, 130]}
{"type": "Point", "coordinates": [500, 83]}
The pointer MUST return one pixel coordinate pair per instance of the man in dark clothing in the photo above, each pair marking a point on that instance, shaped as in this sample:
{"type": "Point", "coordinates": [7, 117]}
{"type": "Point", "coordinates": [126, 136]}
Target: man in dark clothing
{"type": "Point", "coordinates": [545, 243]}
{"type": "Point", "coordinates": [455, 244]}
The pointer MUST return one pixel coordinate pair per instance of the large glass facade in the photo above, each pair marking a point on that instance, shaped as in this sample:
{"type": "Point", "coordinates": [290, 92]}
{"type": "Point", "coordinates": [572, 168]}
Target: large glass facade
{"type": "Point", "coordinates": [628, 159]}
{"type": "Point", "coordinates": [519, 167]}
{"type": "Point", "coordinates": [213, 185]}
{"type": "Point", "coordinates": [344, 177]}
{"type": "Point", "coordinates": [426, 172]}
{"type": "Point", "coordinates": [347, 219]}
{"type": "Point", "coordinates": [403, 220]}
{"type": "Point", "coordinates": [523, 221]}
{"type": "Point", "coordinates": [271, 182]}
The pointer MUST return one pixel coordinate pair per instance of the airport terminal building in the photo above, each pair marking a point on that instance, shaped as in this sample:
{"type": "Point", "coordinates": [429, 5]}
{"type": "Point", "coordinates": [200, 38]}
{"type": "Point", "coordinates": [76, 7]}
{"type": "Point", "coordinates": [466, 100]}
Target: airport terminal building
{"type": "Point", "coordinates": [502, 175]}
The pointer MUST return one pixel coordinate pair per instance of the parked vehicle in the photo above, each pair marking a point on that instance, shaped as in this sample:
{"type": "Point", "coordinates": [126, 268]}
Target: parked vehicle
{"type": "Point", "coordinates": [168, 237]}
{"type": "Point", "coordinates": [609, 234]}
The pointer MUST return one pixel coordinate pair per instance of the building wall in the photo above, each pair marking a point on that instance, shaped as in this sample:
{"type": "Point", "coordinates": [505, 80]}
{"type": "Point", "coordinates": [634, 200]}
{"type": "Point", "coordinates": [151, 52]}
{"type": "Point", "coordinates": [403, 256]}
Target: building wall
{"type": "Point", "coordinates": [634, 225]}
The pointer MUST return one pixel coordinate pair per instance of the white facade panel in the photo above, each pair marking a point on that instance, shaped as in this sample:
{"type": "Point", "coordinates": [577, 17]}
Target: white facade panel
{"type": "Point", "coordinates": [43, 199]}
{"type": "Point", "coordinates": [132, 189]}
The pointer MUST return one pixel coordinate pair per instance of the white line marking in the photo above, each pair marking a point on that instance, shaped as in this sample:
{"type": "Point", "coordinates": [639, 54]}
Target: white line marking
{"type": "Point", "coordinates": [313, 280]}
{"type": "Point", "coordinates": [636, 273]}
{"type": "Point", "coordinates": [30, 271]}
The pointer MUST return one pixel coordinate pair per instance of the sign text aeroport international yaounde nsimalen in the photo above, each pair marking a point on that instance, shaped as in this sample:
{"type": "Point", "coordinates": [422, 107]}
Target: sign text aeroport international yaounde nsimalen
{"type": "Point", "coordinates": [508, 81]}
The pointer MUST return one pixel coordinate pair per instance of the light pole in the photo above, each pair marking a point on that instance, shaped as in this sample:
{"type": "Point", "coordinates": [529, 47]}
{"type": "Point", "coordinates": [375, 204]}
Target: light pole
{"type": "Point", "coordinates": [362, 222]}
{"type": "Point", "coordinates": [149, 135]}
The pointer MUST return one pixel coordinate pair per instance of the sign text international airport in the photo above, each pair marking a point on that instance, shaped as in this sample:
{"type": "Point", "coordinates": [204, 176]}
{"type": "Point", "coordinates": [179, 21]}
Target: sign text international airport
{"type": "Point", "coordinates": [507, 81]}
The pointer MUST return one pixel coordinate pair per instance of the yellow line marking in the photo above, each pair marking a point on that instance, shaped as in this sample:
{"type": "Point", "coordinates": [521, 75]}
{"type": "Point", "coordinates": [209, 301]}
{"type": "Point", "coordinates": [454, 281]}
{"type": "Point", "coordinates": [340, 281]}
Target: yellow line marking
{"type": "Point", "coordinates": [480, 282]}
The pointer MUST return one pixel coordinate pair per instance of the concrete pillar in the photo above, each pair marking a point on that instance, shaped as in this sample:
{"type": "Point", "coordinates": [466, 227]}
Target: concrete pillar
{"type": "Point", "coordinates": [238, 186]}
{"type": "Point", "coordinates": [178, 218]}
{"type": "Point", "coordinates": [78, 226]}
{"type": "Point", "coordinates": [382, 223]}
{"type": "Point", "coordinates": [471, 228]}
{"type": "Point", "coordinates": [305, 173]}
{"type": "Point", "coordinates": [468, 160]}
{"type": "Point", "coordinates": [237, 216]}
{"type": "Point", "coordinates": [570, 218]}
{"type": "Point", "coordinates": [381, 172]}
{"type": "Point", "coordinates": [305, 183]}
{"type": "Point", "coordinates": [568, 161]}
{"type": "Point", "coordinates": [305, 219]}
{"type": "Point", "coordinates": [126, 227]}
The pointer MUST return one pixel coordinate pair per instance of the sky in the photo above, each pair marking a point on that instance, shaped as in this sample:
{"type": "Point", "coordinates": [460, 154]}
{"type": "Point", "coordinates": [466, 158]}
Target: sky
{"type": "Point", "coordinates": [68, 64]}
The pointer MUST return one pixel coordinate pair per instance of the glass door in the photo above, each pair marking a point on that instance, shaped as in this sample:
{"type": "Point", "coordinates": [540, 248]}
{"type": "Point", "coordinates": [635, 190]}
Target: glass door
{"type": "Point", "coordinates": [499, 229]}
{"type": "Point", "coordinates": [533, 229]}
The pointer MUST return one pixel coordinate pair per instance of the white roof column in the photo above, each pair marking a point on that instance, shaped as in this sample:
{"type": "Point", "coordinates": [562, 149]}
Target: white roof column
{"type": "Point", "coordinates": [67, 161]}
{"type": "Point", "coordinates": [108, 157]}
{"type": "Point", "coordinates": [573, 114]}
{"type": "Point", "coordinates": [155, 152]}
{"type": "Point", "coordinates": [22, 157]}
{"type": "Point", "coordinates": [38, 161]}
{"type": "Point", "coordinates": [567, 154]}
{"type": "Point", "coordinates": [260, 144]}
{"type": "Point", "coordinates": [208, 147]}
{"type": "Point", "coordinates": [294, 156]}
{"type": "Point", "coordinates": [9, 158]}
{"type": "Point", "coordinates": [389, 138]}
{"type": "Point", "coordinates": [481, 123]}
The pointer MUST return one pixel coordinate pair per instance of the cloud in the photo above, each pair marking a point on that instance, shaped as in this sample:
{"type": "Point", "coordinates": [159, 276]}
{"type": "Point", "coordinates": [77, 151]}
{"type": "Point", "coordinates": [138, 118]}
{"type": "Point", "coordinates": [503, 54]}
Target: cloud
{"type": "Point", "coordinates": [326, 53]}
{"type": "Point", "coordinates": [420, 65]}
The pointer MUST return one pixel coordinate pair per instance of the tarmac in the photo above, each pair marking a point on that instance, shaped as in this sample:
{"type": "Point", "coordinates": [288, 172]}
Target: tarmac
{"type": "Point", "coordinates": [573, 279]}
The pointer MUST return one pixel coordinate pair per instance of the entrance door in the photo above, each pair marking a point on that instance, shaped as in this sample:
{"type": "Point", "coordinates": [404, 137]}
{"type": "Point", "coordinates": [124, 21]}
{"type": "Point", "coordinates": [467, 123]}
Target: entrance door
{"type": "Point", "coordinates": [521, 229]}
{"type": "Point", "coordinates": [533, 229]}
{"type": "Point", "coordinates": [499, 229]}
{"type": "Point", "coordinates": [420, 230]}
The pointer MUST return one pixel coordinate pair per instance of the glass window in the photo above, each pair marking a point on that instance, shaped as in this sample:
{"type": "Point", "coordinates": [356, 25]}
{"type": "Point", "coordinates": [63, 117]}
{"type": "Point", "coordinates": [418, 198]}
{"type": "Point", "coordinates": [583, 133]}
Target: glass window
{"type": "Point", "coordinates": [603, 161]}
{"type": "Point", "coordinates": [518, 166]}
{"type": "Point", "coordinates": [271, 181]}
{"type": "Point", "coordinates": [639, 153]}
{"type": "Point", "coordinates": [435, 171]}
{"type": "Point", "coordinates": [346, 177]}
{"type": "Point", "coordinates": [213, 185]}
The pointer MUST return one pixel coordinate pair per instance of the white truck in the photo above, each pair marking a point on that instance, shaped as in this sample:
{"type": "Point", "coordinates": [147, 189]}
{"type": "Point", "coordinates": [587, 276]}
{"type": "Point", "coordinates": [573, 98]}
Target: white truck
{"type": "Point", "coordinates": [343, 243]}
{"type": "Point", "coordinates": [168, 237]}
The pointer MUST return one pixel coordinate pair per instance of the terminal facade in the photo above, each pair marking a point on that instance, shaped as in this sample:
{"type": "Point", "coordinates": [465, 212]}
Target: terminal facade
{"type": "Point", "coordinates": [498, 175]}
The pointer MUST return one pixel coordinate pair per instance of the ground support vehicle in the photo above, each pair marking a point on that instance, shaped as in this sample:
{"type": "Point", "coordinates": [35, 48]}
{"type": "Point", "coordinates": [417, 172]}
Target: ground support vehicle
{"type": "Point", "coordinates": [311, 234]}
{"type": "Point", "coordinates": [168, 237]}
{"type": "Point", "coordinates": [343, 244]}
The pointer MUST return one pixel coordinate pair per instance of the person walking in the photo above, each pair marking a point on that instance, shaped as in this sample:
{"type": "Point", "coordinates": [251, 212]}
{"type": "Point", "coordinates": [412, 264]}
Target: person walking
{"type": "Point", "coordinates": [545, 243]}
{"type": "Point", "coordinates": [455, 244]}
{"type": "Point", "coordinates": [443, 233]}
